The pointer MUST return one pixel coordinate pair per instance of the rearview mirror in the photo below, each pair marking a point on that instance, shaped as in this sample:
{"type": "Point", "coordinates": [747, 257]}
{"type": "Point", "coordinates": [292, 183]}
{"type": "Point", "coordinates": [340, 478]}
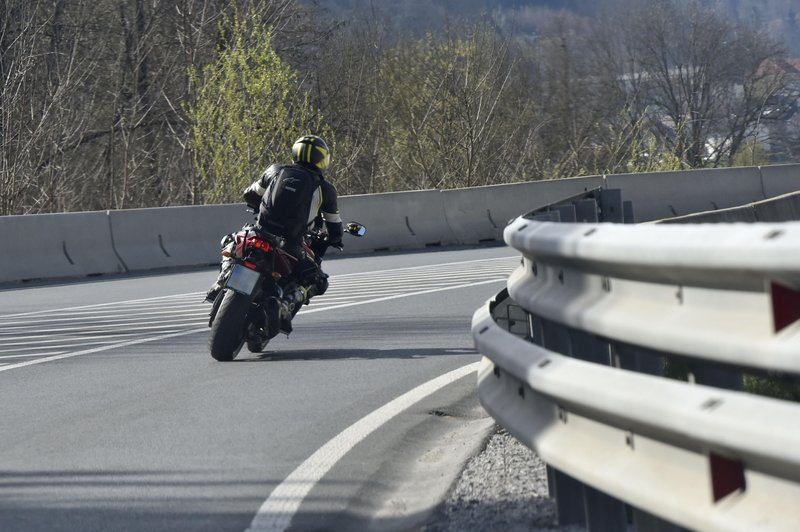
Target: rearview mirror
{"type": "Point", "coordinates": [355, 229]}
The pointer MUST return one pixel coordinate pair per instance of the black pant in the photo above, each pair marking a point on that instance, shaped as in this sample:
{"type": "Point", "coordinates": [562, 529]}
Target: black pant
{"type": "Point", "coordinates": [307, 271]}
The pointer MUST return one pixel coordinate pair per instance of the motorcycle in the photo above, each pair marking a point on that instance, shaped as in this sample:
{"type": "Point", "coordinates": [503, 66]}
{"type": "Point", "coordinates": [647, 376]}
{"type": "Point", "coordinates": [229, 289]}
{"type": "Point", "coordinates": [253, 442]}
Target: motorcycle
{"type": "Point", "coordinates": [260, 294]}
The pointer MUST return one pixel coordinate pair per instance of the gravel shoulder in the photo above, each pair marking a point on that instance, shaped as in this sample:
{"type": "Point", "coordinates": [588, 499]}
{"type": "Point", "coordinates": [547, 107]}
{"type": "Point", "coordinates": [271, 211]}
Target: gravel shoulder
{"type": "Point", "coordinates": [502, 488]}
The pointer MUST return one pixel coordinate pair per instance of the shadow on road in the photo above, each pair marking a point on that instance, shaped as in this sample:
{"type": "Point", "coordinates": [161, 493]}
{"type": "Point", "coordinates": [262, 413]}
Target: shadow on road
{"type": "Point", "coordinates": [143, 501]}
{"type": "Point", "coordinates": [349, 354]}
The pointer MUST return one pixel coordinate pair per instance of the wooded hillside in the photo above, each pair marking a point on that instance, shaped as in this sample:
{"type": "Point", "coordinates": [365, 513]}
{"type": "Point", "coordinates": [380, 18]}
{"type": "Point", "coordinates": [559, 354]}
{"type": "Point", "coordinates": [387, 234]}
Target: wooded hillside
{"type": "Point", "coordinates": [109, 104]}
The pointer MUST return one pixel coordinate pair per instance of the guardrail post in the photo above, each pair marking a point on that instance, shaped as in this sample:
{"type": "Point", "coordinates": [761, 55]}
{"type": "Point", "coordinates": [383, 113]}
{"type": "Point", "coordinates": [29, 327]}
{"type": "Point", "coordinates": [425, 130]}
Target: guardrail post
{"type": "Point", "coordinates": [537, 330]}
{"type": "Point", "coordinates": [628, 214]}
{"type": "Point", "coordinates": [568, 493]}
{"type": "Point", "coordinates": [589, 347]}
{"type": "Point", "coordinates": [611, 205]}
{"type": "Point", "coordinates": [556, 338]}
{"type": "Point", "coordinates": [586, 211]}
{"type": "Point", "coordinates": [512, 317]}
{"type": "Point", "coordinates": [549, 216]}
{"type": "Point", "coordinates": [603, 512]}
{"type": "Point", "coordinates": [637, 359]}
{"type": "Point", "coordinates": [717, 376]}
{"type": "Point", "coordinates": [567, 213]}
{"type": "Point", "coordinates": [645, 522]}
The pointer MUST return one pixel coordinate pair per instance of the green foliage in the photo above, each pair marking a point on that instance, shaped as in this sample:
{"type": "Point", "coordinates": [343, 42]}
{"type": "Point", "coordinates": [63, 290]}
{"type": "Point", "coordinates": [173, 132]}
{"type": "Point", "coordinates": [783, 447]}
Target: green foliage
{"type": "Point", "coordinates": [451, 117]}
{"type": "Point", "coordinates": [772, 387]}
{"type": "Point", "coordinates": [751, 153]}
{"type": "Point", "coordinates": [769, 386]}
{"type": "Point", "coordinates": [249, 110]}
{"type": "Point", "coordinates": [629, 147]}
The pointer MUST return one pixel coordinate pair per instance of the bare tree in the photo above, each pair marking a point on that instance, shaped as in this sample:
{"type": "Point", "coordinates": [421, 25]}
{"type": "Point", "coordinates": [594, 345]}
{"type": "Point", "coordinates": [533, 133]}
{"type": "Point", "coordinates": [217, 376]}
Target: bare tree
{"type": "Point", "coordinates": [452, 117]}
{"type": "Point", "coordinates": [348, 91]}
{"type": "Point", "coordinates": [45, 73]}
{"type": "Point", "coordinates": [698, 76]}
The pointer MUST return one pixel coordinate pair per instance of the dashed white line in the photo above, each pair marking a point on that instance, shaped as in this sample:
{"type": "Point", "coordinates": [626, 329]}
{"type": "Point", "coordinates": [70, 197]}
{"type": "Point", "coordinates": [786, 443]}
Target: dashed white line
{"type": "Point", "coordinates": [190, 316]}
{"type": "Point", "coordinates": [31, 355]}
{"type": "Point", "coordinates": [99, 349]}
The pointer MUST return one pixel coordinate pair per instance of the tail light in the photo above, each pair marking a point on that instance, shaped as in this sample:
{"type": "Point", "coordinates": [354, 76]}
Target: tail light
{"type": "Point", "coordinates": [258, 243]}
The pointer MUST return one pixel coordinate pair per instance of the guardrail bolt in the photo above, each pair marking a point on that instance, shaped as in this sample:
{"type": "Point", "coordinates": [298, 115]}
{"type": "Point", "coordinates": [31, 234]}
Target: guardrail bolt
{"type": "Point", "coordinates": [711, 404]}
{"type": "Point", "coordinates": [562, 414]}
{"type": "Point", "coordinates": [629, 439]}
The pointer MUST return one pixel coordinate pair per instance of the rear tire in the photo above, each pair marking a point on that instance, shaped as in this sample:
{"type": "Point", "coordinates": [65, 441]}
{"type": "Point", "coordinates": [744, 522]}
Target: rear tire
{"type": "Point", "coordinates": [228, 329]}
{"type": "Point", "coordinates": [256, 346]}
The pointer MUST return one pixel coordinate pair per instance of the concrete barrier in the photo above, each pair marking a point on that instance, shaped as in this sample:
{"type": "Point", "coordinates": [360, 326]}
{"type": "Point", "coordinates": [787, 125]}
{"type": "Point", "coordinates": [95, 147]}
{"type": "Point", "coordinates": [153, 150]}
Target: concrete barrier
{"type": "Point", "coordinates": [171, 237]}
{"type": "Point", "coordinates": [398, 220]}
{"type": "Point", "coordinates": [780, 179]}
{"type": "Point", "coordinates": [735, 214]}
{"type": "Point", "coordinates": [47, 246]}
{"type": "Point", "coordinates": [785, 208]}
{"type": "Point", "coordinates": [481, 213]}
{"type": "Point", "coordinates": [660, 195]}
{"type": "Point", "coordinates": [80, 244]}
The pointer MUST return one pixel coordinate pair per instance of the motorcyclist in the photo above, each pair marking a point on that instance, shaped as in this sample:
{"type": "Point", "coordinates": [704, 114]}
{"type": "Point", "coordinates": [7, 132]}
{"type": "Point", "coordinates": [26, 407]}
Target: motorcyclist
{"type": "Point", "coordinates": [290, 198]}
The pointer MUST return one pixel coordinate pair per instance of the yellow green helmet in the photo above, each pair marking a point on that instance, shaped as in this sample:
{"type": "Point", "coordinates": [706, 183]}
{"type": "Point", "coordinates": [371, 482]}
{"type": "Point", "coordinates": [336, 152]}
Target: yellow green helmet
{"type": "Point", "coordinates": [311, 150]}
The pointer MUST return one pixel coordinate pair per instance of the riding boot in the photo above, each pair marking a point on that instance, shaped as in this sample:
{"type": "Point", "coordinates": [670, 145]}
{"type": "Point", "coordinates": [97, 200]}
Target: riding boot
{"type": "Point", "coordinates": [225, 268]}
{"type": "Point", "coordinates": [290, 305]}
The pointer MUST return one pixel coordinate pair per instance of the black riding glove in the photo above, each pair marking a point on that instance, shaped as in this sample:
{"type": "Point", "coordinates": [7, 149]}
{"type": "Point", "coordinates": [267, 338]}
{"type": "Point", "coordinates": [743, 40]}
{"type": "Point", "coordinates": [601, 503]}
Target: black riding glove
{"type": "Point", "coordinates": [252, 199]}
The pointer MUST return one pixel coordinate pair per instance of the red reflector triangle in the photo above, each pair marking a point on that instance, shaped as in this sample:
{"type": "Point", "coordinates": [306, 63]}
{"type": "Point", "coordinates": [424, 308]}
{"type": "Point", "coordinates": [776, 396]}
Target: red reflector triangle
{"type": "Point", "coordinates": [727, 476]}
{"type": "Point", "coordinates": [785, 305]}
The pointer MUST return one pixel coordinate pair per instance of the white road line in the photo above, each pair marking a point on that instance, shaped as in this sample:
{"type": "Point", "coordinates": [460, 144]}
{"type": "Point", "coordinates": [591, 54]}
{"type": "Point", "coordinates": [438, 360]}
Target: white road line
{"type": "Point", "coordinates": [325, 308]}
{"type": "Point", "coordinates": [445, 264]}
{"type": "Point", "coordinates": [194, 331]}
{"type": "Point", "coordinates": [278, 510]}
{"type": "Point", "coordinates": [29, 355]}
{"type": "Point", "coordinates": [190, 295]}
{"type": "Point", "coordinates": [398, 296]}
{"type": "Point", "coordinates": [123, 311]}
{"type": "Point", "coordinates": [99, 349]}
{"type": "Point", "coordinates": [73, 344]}
{"type": "Point", "coordinates": [133, 325]}
{"type": "Point", "coordinates": [72, 335]}
{"type": "Point", "coordinates": [111, 304]}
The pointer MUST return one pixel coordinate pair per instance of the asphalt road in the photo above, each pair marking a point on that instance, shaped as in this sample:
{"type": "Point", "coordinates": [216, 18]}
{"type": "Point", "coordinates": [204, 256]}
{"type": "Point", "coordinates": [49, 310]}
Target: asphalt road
{"type": "Point", "coordinates": [115, 417]}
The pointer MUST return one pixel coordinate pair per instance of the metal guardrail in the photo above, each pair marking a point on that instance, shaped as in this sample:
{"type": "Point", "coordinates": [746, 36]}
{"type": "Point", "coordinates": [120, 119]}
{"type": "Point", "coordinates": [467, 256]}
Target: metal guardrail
{"type": "Point", "coordinates": [576, 350]}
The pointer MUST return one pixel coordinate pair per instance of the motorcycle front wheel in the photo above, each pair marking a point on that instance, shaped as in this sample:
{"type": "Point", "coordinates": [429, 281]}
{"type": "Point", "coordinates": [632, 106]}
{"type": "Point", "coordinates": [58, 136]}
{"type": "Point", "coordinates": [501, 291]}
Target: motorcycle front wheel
{"type": "Point", "coordinates": [228, 328]}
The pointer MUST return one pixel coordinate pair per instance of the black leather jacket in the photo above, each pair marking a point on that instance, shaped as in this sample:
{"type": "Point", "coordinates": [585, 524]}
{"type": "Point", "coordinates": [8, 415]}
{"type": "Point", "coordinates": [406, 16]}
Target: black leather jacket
{"type": "Point", "coordinates": [323, 201]}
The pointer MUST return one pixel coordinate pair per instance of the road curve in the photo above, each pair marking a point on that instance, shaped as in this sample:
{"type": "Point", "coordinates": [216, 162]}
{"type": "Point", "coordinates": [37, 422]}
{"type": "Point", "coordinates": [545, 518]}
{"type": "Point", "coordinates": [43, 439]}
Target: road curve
{"type": "Point", "coordinates": [116, 418]}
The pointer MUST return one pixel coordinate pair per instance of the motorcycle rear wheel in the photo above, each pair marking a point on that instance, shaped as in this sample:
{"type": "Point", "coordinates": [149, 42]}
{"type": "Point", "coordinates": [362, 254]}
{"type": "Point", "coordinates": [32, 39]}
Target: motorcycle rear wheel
{"type": "Point", "coordinates": [256, 346]}
{"type": "Point", "coordinates": [228, 329]}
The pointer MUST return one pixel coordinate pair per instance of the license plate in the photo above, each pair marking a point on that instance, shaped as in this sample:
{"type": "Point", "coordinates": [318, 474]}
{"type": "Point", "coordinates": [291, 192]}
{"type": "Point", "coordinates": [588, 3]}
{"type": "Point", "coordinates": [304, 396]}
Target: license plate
{"type": "Point", "coordinates": [243, 280]}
